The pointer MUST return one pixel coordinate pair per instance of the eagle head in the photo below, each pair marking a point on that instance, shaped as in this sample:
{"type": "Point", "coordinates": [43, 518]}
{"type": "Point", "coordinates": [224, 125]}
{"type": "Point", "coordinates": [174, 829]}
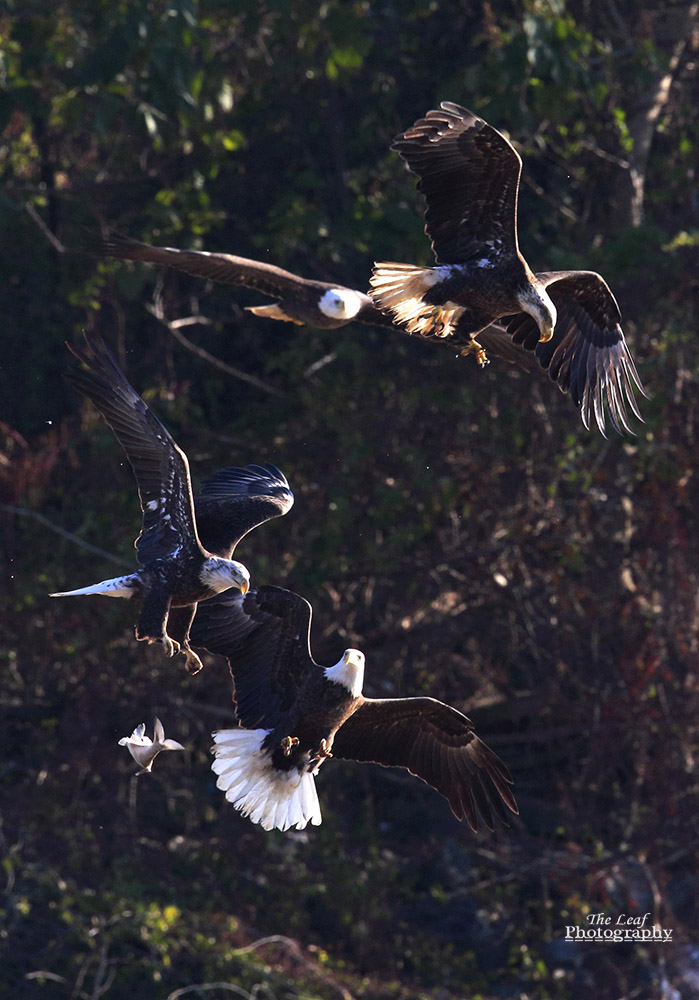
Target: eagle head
{"type": "Point", "coordinates": [340, 303]}
{"type": "Point", "coordinates": [348, 671]}
{"type": "Point", "coordinates": [536, 301]}
{"type": "Point", "coordinates": [222, 574]}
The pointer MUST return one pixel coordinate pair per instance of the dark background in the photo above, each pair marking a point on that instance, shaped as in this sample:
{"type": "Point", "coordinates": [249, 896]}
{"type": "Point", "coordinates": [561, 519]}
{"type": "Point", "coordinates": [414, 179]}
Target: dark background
{"type": "Point", "coordinates": [460, 526]}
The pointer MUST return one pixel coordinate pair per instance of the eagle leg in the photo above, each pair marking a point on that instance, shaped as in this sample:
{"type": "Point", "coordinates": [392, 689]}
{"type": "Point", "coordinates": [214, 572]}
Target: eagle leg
{"type": "Point", "coordinates": [152, 621]}
{"type": "Point", "coordinates": [475, 348]}
{"type": "Point", "coordinates": [179, 624]}
{"type": "Point", "coordinates": [288, 743]}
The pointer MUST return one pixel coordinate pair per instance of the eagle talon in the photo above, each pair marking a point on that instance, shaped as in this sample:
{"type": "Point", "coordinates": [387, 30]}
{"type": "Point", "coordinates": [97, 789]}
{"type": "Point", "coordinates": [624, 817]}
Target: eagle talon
{"type": "Point", "coordinates": [288, 743]}
{"type": "Point", "coordinates": [322, 752]}
{"type": "Point", "coordinates": [193, 664]}
{"type": "Point", "coordinates": [475, 348]}
{"type": "Point", "coordinates": [171, 645]}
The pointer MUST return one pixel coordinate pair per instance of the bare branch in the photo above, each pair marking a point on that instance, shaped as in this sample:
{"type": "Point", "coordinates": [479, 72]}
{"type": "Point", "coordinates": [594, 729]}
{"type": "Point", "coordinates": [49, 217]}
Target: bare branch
{"type": "Point", "coordinates": [174, 328]}
{"type": "Point", "coordinates": [27, 512]}
{"type": "Point", "coordinates": [200, 987]}
{"type": "Point", "coordinates": [53, 239]}
{"type": "Point", "coordinates": [43, 974]}
{"type": "Point", "coordinates": [294, 948]}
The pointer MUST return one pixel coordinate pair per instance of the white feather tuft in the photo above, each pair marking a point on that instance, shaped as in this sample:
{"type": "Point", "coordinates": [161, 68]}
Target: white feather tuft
{"type": "Point", "coordinates": [275, 799]}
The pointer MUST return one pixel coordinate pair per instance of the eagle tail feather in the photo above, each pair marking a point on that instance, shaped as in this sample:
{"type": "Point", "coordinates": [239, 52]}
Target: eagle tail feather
{"type": "Point", "coordinates": [399, 289]}
{"type": "Point", "coordinates": [120, 586]}
{"type": "Point", "coordinates": [273, 798]}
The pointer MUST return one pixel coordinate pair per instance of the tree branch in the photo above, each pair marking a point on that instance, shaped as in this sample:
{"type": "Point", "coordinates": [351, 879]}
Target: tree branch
{"type": "Point", "coordinates": [27, 512]}
{"type": "Point", "coordinates": [174, 327]}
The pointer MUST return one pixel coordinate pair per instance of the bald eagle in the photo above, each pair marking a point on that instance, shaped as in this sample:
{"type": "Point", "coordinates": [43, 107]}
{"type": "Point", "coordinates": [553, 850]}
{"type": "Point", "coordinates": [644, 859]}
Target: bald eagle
{"type": "Point", "coordinates": [302, 301]}
{"type": "Point", "coordinates": [294, 713]}
{"type": "Point", "coordinates": [469, 174]}
{"type": "Point", "coordinates": [177, 569]}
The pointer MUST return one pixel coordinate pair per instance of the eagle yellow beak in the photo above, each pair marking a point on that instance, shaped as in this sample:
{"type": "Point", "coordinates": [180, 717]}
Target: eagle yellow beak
{"type": "Point", "coordinates": [546, 334]}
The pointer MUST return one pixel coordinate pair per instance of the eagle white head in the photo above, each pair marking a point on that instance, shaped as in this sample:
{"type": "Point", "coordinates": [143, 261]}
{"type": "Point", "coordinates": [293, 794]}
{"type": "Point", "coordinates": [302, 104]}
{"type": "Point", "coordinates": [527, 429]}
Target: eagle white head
{"type": "Point", "coordinates": [222, 574]}
{"type": "Point", "coordinates": [348, 671]}
{"type": "Point", "coordinates": [340, 303]}
{"type": "Point", "coordinates": [536, 301]}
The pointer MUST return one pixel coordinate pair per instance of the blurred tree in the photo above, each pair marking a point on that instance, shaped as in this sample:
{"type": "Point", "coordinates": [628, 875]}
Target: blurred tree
{"type": "Point", "coordinates": [457, 525]}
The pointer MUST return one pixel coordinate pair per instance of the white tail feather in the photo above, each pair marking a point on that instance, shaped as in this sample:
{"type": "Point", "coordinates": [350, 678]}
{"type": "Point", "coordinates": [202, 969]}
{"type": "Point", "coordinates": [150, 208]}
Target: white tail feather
{"type": "Point", "coordinates": [400, 289]}
{"type": "Point", "coordinates": [275, 799]}
{"type": "Point", "coordinates": [120, 586]}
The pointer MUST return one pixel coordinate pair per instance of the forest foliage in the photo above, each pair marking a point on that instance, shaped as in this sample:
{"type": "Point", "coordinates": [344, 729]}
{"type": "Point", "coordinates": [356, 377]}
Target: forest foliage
{"type": "Point", "coordinates": [460, 526]}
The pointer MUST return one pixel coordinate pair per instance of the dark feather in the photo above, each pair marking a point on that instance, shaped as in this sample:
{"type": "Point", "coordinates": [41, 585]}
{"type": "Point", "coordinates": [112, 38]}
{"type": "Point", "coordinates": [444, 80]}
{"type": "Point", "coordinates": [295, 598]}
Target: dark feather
{"type": "Point", "coordinates": [588, 355]}
{"type": "Point", "coordinates": [266, 639]}
{"type": "Point", "coordinates": [235, 500]}
{"type": "Point", "coordinates": [160, 466]}
{"type": "Point", "coordinates": [220, 267]}
{"type": "Point", "coordinates": [469, 175]}
{"type": "Point", "coordinates": [434, 742]}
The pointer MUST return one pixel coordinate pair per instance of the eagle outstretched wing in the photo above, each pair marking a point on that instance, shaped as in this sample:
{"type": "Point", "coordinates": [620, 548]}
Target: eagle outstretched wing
{"type": "Point", "coordinates": [225, 268]}
{"type": "Point", "coordinates": [235, 500]}
{"type": "Point", "coordinates": [436, 743]}
{"type": "Point", "coordinates": [160, 466]}
{"type": "Point", "coordinates": [469, 174]}
{"type": "Point", "coordinates": [587, 355]}
{"type": "Point", "coordinates": [265, 637]}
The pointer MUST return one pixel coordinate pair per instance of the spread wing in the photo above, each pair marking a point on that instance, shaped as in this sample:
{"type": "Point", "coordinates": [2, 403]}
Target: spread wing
{"type": "Point", "coordinates": [229, 269]}
{"type": "Point", "coordinates": [221, 267]}
{"type": "Point", "coordinates": [234, 501]}
{"type": "Point", "coordinates": [160, 466]}
{"type": "Point", "coordinates": [436, 743]}
{"type": "Point", "coordinates": [588, 355]}
{"type": "Point", "coordinates": [265, 636]}
{"type": "Point", "coordinates": [469, 175]}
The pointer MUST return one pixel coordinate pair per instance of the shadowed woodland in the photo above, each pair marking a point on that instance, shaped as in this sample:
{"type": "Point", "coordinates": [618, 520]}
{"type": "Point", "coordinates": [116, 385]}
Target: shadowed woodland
{"type": "Point", "coordinates": [458, 525]}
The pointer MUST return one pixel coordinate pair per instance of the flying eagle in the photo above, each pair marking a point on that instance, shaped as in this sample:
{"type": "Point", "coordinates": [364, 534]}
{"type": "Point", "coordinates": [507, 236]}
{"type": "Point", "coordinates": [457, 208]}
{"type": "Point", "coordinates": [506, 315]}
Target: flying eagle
{"type": "Point", "coordinates": [293, 713]}
{"type": "Point", "coordinates": [300, 300]}
{"type": "Point", "coordinates": [178, 569]}
{"type": "Point", "coordinates": [469, 174]}
{"type": "Point", "coordinates": [319, 304]}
